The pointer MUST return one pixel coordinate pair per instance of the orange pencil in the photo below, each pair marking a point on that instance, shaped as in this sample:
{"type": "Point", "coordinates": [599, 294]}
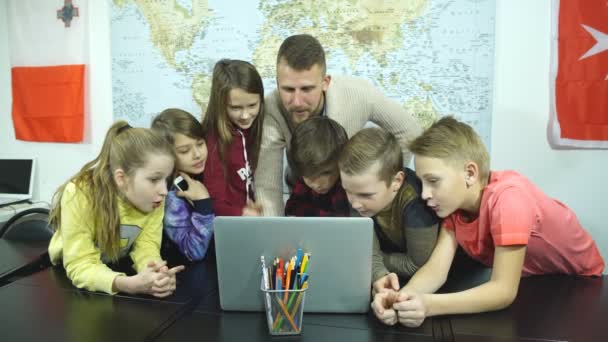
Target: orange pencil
{"type": "Point", "coordinates": [288, 278]}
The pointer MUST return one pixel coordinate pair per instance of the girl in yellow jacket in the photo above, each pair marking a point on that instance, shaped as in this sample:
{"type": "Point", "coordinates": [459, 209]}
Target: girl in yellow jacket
{"type": "Point", "coordinates": [113, 207]}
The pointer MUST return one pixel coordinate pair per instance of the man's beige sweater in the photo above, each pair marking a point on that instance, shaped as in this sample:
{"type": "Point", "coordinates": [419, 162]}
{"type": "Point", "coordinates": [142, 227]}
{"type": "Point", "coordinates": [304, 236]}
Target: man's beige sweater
{"type": "Point", "coordinates": [351, 102]}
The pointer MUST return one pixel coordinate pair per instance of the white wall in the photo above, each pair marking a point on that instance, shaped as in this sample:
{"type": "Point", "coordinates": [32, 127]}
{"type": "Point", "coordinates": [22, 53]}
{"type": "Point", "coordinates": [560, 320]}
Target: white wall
{"type": "Point", "coordinates": [520, 114]}
{"type": "Point", "coordinates": [521, 111]}
{"type": "Point", "coordinates": [56, 162]}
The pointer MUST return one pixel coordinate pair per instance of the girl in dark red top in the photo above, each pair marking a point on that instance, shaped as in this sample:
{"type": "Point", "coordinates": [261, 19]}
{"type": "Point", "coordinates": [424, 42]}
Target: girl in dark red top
{"type": "Point", "coordinates": [233, 129]}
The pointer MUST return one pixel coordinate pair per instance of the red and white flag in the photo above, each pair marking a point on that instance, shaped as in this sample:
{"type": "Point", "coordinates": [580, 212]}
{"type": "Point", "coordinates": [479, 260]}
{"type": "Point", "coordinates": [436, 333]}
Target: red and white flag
{"type": "Point", "coordinates": [48, 53]}
{"type": "Point", "coordinates": [579, 74]}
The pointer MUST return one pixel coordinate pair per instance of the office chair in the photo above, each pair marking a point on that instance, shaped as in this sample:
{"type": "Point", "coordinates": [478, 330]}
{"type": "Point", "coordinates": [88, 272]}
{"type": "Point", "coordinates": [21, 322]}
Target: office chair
{"type": "Point", "coordinates": [28, 225]}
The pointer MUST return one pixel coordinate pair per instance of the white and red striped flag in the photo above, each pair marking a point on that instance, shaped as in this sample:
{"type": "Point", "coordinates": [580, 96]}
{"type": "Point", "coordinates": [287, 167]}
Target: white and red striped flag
{"type": "Point", "coordinates": [48, 54]}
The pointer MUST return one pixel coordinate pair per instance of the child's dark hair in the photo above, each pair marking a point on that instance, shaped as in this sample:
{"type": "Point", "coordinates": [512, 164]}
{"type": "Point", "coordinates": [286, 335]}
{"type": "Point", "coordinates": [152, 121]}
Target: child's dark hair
{"type": "Point", "coordinates": [173, 120]}
{"type": "Point", "coordinates": [316, 145]}
{"type": "Point", "coordinates": [231, 74]}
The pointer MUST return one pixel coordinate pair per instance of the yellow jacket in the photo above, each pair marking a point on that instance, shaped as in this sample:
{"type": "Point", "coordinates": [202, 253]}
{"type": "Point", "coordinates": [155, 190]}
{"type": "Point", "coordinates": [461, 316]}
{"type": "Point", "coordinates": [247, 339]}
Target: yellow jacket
{"type": "Point", "coordinates": [74, 242]}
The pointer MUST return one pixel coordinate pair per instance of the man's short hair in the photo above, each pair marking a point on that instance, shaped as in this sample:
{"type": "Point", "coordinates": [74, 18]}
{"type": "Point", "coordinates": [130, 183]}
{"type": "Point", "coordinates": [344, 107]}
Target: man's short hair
{"type": "Point", "coordinates": [301, 52]}
{"type": "Point", "coordinates": [371, 146]}
{"type": "Point", "coordinates": [316, 145]}
{"type": "Point", "coordinates": [453, 141]}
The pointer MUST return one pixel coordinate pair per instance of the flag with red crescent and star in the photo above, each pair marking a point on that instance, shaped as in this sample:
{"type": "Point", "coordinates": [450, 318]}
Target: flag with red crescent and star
{"type": "Point", "coordinates": [579, 74]}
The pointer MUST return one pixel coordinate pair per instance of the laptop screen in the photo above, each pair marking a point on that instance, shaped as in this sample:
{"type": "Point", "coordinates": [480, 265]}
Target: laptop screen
{"type": "Point", "coordinates": [15, 176]}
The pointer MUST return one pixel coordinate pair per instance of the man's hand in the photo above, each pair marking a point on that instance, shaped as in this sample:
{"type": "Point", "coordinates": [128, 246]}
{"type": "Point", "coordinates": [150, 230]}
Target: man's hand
{"type": "Point", "coordinates": [252, 209]}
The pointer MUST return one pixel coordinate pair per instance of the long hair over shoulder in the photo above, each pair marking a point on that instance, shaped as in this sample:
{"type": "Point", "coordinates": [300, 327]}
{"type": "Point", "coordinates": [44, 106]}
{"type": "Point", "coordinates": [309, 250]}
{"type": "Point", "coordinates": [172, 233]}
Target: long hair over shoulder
{"type": "Point", "coordinates": [126, 148]}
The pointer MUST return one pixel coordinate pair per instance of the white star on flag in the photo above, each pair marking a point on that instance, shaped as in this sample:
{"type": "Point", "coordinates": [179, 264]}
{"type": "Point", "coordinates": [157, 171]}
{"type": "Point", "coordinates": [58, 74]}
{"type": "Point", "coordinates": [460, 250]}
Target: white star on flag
{"type": "Point", "coordinates": [600, 45]}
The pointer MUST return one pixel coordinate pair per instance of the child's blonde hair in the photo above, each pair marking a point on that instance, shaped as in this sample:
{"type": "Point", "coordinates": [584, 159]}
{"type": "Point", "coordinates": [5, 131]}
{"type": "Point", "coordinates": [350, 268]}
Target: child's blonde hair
{"type": "Point", "coordinates": [368, 147]}
{"type": "Point", "coordinates": [455, 142]}
{"type": "Point", "coordinates": [126, 148]}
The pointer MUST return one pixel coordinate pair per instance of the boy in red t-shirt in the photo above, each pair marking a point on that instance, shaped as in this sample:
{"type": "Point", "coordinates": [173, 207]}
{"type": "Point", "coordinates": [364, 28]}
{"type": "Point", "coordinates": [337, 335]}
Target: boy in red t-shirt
{"type": "Point", "coordinates": [499, 218]}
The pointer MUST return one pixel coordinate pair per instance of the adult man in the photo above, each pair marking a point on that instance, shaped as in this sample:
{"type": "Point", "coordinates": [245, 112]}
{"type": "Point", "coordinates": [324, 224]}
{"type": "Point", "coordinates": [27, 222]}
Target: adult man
{"type": "Point", "coordinates": [305, 90]}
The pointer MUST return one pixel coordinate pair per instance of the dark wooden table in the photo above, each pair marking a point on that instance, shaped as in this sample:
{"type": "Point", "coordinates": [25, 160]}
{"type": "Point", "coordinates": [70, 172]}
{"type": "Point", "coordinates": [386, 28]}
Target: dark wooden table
{"type": "Point", "coordinates": [552, 308]}
{"type": "Point", "coordinates": [48, 313]}
{"type": "Point", "coordinates": [46, 306]}
{"type": "Point", "coordinates": [15, 256]}
{"type": "Point", "coordinates": [193, 313]}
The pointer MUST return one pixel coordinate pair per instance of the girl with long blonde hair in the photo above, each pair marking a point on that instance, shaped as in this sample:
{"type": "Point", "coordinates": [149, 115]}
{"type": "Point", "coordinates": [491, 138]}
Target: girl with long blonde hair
{"type": "Point", "coordinates": [113, 207]}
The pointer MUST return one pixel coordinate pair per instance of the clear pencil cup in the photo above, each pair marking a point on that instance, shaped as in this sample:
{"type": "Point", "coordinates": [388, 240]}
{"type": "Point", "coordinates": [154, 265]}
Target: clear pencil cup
{"type": "Point", "coordinates": [284, 310]}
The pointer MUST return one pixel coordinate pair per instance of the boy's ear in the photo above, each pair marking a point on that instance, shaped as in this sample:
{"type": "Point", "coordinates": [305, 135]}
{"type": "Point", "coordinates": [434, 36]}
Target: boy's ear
{"type": "Point", "coordinates": [120, 178]}
{"type": "Point", "coordinates": [471, 172]}
{"type": "Point", "coordinates": [398, 179]}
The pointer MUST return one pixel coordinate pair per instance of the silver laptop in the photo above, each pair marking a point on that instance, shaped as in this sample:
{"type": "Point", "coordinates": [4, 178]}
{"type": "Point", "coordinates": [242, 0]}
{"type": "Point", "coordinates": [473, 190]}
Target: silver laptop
{"type": "Point", "coordinates": [339, 269]}
{"type": "Point", "coordinates": [16, 180]}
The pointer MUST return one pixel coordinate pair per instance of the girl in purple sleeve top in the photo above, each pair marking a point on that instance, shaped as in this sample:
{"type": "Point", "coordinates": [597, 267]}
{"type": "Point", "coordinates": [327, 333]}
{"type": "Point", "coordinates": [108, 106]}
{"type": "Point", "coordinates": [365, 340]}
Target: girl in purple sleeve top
{"type": "Point", "coordinates": [188, 219]}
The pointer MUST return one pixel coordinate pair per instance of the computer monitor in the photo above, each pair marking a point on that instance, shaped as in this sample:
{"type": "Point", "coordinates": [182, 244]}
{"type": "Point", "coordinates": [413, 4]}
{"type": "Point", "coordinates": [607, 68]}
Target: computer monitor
{"type": "Point", "coordinates": [339, 269]}
{"type": "Point", "coordinates": [16, 180]}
